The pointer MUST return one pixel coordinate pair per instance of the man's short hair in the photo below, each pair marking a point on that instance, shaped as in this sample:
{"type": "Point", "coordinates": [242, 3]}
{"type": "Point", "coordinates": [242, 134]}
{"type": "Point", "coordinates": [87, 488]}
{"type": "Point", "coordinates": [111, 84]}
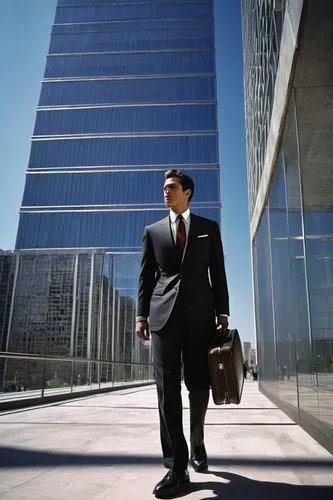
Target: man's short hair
{"type": "Point", "coordinates": [185, 181]}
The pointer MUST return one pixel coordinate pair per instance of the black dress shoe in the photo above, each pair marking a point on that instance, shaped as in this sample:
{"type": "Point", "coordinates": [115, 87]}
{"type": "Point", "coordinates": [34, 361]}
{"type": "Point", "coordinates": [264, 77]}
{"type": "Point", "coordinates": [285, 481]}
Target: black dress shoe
{"type": "Point", "coordinates": [173, 483]}
{"type": "Point", "coordinates": [199, 459]}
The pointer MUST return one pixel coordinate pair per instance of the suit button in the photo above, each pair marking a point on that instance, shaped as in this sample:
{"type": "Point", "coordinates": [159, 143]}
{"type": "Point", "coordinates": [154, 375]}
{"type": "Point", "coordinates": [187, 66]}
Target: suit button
{"type": "Point", "coordinates": [176, 287]}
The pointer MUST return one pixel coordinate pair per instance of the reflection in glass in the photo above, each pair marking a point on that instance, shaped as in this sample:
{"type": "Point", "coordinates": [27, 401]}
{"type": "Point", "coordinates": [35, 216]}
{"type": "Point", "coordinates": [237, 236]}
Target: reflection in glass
{"type": "Point", "coordinates": [112, 188]}
{"type": "Point", "coordinates": [186, 38]}
{"type": "Point", "coordinates": [80, 305]}
{"type": "Point", "coordinates": [281, 292]}
{"type": "Point", "coordinates": [264, 307]}
{"type": "Point", "coordinates": [299, 326]}
{"type": "Point", "coordinates": [127, 119]}
{"type": "Point", "coordinates": [162, 150]}
{"type": "Point", "coordinates": [154, 90]}
{"type": "Point", "coordinates": [130, 64]}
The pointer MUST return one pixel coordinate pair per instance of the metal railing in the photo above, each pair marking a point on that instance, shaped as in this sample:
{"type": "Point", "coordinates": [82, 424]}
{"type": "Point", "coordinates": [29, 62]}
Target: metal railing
{"type": "Point", "coordinates": [32, 376]}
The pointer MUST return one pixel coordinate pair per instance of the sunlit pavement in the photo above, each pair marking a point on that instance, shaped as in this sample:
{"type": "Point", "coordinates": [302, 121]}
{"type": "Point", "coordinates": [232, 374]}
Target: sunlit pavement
{"type": "Point", "coordinates": [106, 446]}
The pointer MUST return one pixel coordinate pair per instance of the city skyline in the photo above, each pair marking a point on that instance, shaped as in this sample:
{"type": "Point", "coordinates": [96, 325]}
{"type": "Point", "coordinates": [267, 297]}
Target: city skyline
{"type": "Point", "coordinates": [238, 260]}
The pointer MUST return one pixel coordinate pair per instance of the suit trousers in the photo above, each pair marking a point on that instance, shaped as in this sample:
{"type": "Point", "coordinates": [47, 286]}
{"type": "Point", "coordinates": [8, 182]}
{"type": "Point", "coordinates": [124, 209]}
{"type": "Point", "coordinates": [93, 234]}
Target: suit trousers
{"type": "Point", "coordinates": [182, 347]}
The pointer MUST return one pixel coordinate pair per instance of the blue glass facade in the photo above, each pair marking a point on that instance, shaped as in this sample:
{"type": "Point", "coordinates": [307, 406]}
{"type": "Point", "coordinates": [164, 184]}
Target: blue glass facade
{"type": "Point", "coordinates": [128, 92]}
{"type": "Point", "coordinates": [289, 123]}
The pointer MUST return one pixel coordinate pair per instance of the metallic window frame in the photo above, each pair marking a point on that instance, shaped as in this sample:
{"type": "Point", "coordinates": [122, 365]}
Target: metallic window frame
{"type": "Point", "coordinates": [150, 76]}
{"type": "Point", "coordinates": [126, 168]}
{"type": "Point", "coordinates": [66, 137]}
{"type": "Point", "coordinates": [65, 107]}
{"type": "Point", "coordinates": [126, 52]}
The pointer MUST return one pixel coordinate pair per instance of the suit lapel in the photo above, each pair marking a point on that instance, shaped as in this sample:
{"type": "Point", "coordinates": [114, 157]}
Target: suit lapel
{"type": "Point", "coordinates": [168, 241]}
{"type": "Point", "coordinates": [166, 233]}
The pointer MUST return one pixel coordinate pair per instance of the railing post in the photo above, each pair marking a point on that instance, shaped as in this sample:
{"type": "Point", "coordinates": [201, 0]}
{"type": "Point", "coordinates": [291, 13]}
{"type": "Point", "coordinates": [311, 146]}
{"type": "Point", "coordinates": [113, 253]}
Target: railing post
{"type": "Point", "coordinates": [4, 375]}
{"type": "Point", "coordinates": [72, 375]}
{"type": "Point", "coordinates": [43, 377]}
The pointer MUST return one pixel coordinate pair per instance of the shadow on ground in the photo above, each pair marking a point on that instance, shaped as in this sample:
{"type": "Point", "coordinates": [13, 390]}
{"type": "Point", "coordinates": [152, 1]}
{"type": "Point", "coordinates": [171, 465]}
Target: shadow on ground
{"type": "Point", "coordinates": [228, 486]}
{"type": "Point", "coordinates": [11, 457]}
{"type": "Point", "coordinates": [235, 487]}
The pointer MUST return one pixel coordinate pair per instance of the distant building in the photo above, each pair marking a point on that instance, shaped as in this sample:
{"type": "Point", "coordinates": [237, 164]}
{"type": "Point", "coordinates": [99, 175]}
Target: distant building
{"type": "Point", "coordinates": [288, 87]}
{"type": "Point", "coordinates": [247, 351]}
{"type": "Point", "coordinates": [69, 304]}
{"type": "Point", "coordinates": [7, 278]}
{"type": "Point", "coordinates": [253, 357]}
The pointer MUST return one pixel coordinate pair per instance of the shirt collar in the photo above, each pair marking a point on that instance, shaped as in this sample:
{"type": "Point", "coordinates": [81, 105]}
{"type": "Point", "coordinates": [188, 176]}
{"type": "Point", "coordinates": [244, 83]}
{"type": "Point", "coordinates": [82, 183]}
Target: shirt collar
{"type": "Point", "coordinates": [173, 215]}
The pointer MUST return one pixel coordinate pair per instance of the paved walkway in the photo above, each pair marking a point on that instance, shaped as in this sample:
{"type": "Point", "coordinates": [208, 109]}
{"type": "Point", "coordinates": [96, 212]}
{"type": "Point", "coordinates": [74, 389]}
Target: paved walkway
{"type": "Point", "coordinates": [106, 446]}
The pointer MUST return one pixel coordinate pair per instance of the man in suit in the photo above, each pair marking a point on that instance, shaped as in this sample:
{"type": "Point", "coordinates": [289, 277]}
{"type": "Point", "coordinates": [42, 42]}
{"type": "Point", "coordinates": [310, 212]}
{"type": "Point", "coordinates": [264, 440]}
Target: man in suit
{"type": "Point", "coordinates": [183, 291]}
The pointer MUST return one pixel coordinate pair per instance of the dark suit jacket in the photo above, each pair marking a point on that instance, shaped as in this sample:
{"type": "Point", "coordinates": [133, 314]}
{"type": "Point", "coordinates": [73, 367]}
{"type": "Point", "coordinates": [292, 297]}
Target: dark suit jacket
{"type": "Point", "coordinates": [200, 273]}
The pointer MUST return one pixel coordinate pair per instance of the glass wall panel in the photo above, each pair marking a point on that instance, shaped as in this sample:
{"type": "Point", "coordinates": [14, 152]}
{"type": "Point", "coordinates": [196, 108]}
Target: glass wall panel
{"type": "Point", "coordinates": [282, 300]}
{"type": "Point", "coordinates": [315, 124]}
{"type": "Point", "coordinates": [128, 91]}
{"type": "Point", "coordinates": [264, 309]}
{"type": "Point", "coordinates": [127, 347]}
{"type": "Point", "coordinates": [127, 119]}
{"type": "Point", "coordinates": [23, 375]}
{"type": "Point", "coordinates": [126, 64]}
{"type": "Point", "coordinates": [100, 188]}
{"type": "Point", "coordinates": [124, 151]}
{"type": "Point", "coordinates": [43, 305]}
{"type": "Point", "coordinates": [141, 11]}
{"type": "Point", "coordinates": [106, 315]}
{"type": "Point", "coordinates": [320, 278]}
{"type": "Point", "coordinates": [185, 38]}
{"type": "Point", "coordinates": [7, 274]}
{"type": "Point", "coordinates": [91, 229]}
{"type": "Point", "coordinates": [307, 397]}
{"type": "Point", "coordinates": [81, 312]}
{"type": "Point", "coordinates": [95, 334]}
{"type": "Point", "coordinates": [58, 377]}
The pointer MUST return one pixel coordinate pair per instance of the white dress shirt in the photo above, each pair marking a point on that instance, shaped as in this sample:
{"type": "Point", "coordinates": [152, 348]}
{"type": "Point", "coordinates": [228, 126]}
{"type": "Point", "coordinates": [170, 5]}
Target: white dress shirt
{"type": "Point", "coordinates": [175, 222]}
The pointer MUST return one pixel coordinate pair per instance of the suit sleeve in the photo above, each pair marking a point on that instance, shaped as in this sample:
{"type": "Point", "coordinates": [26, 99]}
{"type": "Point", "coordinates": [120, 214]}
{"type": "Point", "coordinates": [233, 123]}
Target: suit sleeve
{"type": "Point", "coordinates": [218, 274]}
{"type": "Point", "coordinates": [147, 276]}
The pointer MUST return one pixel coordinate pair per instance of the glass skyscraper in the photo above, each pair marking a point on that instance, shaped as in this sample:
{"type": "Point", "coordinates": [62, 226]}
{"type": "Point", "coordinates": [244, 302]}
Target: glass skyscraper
{"type": "Point", "coordinates": [128, 92]}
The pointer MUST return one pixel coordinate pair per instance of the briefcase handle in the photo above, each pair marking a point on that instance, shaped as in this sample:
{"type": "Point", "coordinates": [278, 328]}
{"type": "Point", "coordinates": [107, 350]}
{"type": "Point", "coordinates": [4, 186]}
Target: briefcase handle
{"type": "Point", "coordinates": [221, 336]}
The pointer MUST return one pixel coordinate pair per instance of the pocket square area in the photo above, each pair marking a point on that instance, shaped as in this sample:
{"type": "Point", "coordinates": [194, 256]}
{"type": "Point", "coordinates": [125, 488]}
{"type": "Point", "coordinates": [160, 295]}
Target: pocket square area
{"type": "Point", "coordinates": [202, 236]}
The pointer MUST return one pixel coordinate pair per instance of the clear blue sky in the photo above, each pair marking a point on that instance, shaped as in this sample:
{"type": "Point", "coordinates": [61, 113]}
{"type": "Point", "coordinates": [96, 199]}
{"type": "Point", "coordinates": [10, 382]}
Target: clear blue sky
{"type": "Point", "coordinates": [24, 40]}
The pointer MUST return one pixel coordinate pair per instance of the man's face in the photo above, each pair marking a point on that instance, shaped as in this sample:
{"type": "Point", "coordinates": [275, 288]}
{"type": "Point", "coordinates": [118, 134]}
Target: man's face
{"type": "Point", "coordinates": [174, 196]}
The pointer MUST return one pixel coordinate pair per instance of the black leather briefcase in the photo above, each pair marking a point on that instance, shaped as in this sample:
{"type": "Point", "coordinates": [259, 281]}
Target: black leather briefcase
{"type": "Point", "coordinates": [225, 359]}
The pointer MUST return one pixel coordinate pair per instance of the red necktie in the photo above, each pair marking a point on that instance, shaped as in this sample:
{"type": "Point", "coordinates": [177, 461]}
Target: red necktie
{"type": "Point", "coordinates": [181, 233]}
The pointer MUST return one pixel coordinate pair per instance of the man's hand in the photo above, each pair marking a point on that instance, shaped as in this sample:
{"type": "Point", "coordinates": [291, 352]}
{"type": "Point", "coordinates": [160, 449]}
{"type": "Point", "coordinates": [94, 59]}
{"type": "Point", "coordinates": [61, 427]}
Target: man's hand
{"type": "Point", "coordinates": [142, 330]}
{"type": "Point", "coordinates": [223, 322]}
